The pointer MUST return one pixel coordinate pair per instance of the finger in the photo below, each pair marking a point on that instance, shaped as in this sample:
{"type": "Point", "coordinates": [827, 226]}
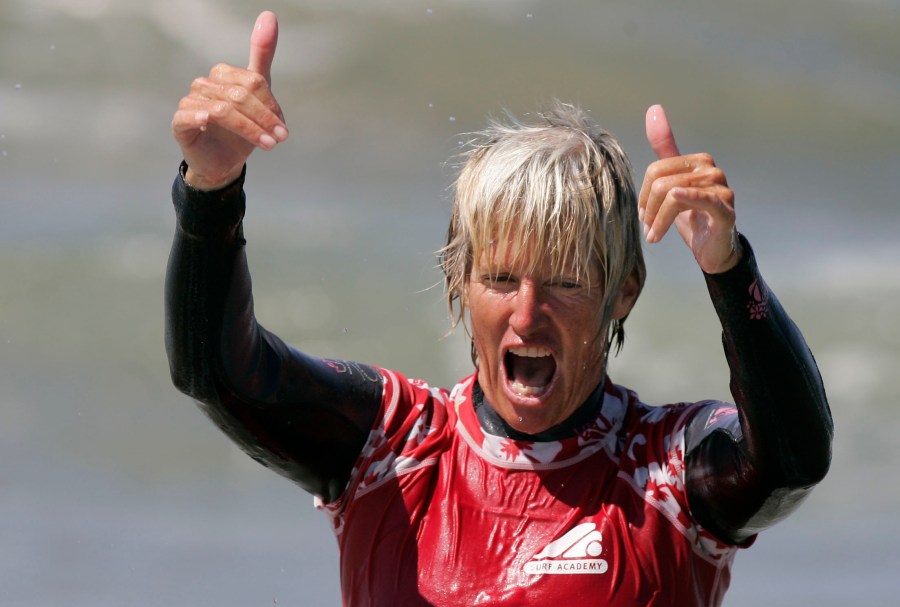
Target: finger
{"type": "Point", "coordinates": [711, 201]}
{"type": "Point", "coordinates": [691, 170]}
{"type": "Point", "coordinates": [659, 179]}
{"type": "Point", "coordinates": [203, 115]}
{"type": "Point", "coordinates": [681, 164]}
{"type": "Point", "coordinates": [187, 123]}
{"type": "Point", "coordinates": [247, 93]}
{"type": "Point", "coordinates": [654, 194]}
{"type": "Point", "coordinates": [223, 79]}
{"type": "Point", "coordinates": [659, 133]}
{"type": "Point", "coordinates": [229, 118]}
{"type": "Point", "coordinates": [262, 45]}
{"type": "Point", "coordinates": [656, 190]}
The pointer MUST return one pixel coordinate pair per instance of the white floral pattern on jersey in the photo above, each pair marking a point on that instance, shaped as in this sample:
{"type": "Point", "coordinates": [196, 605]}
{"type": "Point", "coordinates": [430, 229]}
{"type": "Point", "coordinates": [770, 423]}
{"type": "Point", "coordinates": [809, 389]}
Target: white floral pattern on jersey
{"type": "Point", "coordinates": [521, 452]}
{"type": "Point", "coordinates": [660, 479]}
{"type": "Point", "coordinates": [384, 462]}
{"type": "Point", "coordinates": [394, 445]}
{"type": "Point", "coordinates": [600, 433]}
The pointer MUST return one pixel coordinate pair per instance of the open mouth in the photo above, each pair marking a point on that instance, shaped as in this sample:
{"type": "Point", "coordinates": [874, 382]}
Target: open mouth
{"type": "Point", "coordinates": [529, 370]}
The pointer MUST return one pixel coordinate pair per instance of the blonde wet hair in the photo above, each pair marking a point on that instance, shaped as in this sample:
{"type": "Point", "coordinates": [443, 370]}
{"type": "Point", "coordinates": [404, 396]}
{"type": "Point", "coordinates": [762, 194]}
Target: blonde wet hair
{"type": "Point", "coordinates": [557, 183]}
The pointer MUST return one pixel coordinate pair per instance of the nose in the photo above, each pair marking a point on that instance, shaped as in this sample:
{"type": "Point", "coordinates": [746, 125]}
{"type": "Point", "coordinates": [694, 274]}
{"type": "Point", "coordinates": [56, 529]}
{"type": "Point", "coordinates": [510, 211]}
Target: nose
{"type": "Point", "coordinates": [528, 313]}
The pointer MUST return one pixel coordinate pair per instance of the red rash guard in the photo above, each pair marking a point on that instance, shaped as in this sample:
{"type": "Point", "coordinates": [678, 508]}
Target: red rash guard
{"type": "Point", "coordinates": [437, 512]}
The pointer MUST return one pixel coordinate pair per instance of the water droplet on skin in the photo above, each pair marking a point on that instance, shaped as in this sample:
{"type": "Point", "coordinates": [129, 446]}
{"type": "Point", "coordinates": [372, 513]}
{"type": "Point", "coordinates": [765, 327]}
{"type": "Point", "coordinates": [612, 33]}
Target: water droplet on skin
{"type": "Point", "coordinates": [521, 420]}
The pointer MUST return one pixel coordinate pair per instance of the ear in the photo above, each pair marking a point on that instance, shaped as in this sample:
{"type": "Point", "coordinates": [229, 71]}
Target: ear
{"type": "Point", "coordinates": [626, 298]}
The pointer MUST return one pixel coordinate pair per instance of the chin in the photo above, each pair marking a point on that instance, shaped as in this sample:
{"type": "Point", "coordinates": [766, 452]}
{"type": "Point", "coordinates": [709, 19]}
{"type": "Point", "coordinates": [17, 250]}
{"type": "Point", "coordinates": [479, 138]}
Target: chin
{"type": "Point", "coordinates": [530, 421]}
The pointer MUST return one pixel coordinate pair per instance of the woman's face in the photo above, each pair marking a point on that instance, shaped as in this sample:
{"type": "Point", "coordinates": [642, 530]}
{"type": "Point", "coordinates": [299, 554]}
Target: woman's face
{"type": "Point", "coordinates": [538, 337]}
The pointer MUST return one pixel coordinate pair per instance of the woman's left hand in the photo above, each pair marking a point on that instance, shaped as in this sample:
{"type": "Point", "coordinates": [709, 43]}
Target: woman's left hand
{"type": "Point", "coordinates": [691, 192]}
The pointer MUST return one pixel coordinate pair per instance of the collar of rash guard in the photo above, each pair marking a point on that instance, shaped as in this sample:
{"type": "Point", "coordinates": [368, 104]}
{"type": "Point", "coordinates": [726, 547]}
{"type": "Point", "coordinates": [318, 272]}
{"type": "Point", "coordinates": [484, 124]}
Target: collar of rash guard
{"type": "Point", "coordinates": [492, 423]}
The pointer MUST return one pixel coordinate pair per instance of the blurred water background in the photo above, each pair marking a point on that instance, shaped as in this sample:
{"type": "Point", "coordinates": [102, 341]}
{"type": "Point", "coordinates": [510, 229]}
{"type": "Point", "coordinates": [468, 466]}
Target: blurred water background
{"type": "Point", "coordinates": [114, 488]}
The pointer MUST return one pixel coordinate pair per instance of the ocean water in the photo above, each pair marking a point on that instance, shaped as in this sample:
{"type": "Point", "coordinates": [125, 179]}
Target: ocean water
{"type": "Point", "coordinates": [115, 490]}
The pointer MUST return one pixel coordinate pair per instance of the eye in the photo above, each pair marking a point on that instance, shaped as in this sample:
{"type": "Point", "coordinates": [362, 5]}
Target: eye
{"type": "Point", "coordinates": [499, 281]}
{"type": "Point", "coordinates": [565, 283]}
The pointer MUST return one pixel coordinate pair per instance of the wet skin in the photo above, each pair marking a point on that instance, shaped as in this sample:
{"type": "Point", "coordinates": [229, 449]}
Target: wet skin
{"type": "Point", "coordinates": [538, 335]}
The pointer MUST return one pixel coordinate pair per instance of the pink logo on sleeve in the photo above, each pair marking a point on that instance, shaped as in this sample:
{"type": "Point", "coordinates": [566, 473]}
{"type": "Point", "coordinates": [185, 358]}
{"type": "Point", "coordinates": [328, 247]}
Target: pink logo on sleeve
{"type": "Point", "coordinates": [759, 301]}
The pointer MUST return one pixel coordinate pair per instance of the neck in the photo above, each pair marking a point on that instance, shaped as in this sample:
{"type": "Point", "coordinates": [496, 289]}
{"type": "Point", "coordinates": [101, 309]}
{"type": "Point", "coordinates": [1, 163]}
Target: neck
{"type": "Point", "coordinates": [492, 423]}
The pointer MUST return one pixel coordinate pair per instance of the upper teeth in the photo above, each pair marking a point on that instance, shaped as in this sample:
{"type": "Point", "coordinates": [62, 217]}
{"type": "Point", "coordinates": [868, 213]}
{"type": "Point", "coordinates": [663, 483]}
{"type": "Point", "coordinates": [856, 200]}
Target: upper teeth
{"type": "Point", "coordinates": [532, 352]}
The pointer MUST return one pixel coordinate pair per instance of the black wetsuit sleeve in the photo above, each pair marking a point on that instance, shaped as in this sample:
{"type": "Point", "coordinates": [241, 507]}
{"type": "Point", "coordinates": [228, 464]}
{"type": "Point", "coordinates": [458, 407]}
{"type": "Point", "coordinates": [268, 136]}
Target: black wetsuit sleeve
{"type": "Point", "coordinates": [304, 417]}
{"type": "Point", "coordinates": [747, 476]}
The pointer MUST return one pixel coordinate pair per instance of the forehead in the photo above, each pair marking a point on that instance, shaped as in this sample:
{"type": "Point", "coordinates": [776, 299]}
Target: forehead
{"type": "Point", "coordinates": [519, 256]}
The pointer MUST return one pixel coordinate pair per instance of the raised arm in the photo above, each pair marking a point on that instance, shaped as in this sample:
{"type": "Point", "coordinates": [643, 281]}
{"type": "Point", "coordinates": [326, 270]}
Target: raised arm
{"type": "Point", "coordinates": [306, 418]}
{"type": "Point", "coordinates": [747, 471]}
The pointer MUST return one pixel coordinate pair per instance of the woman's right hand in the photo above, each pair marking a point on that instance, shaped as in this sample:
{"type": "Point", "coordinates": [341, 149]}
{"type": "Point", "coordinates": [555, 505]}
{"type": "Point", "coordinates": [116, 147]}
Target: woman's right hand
{"type": "Point", "coordinates": [229, 113]}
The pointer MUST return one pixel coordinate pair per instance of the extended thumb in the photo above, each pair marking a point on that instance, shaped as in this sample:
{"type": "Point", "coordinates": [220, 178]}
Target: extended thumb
{"type": "Point", "coordinates": [263, 41]}
{"type": "Point", "coordinates": [659, 133]}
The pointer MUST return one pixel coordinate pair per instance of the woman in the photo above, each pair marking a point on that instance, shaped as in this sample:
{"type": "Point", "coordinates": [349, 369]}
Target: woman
{"type": "Point", "coordinates": [535, 479]}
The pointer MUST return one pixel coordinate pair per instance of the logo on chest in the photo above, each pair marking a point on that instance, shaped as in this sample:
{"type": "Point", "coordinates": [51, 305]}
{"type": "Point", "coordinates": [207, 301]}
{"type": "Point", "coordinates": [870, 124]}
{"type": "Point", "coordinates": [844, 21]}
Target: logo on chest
{"type": "Point", "coordinates": [576, 552]}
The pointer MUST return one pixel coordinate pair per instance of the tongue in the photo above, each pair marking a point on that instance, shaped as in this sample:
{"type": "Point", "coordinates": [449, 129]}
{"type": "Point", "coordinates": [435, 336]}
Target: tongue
{"type": "Point", "coordinates": [531, 372]}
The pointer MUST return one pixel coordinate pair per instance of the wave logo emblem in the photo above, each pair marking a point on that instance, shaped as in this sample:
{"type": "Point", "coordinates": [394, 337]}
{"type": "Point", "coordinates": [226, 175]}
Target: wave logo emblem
{"type": "Point", "coordinates": [577, 552]}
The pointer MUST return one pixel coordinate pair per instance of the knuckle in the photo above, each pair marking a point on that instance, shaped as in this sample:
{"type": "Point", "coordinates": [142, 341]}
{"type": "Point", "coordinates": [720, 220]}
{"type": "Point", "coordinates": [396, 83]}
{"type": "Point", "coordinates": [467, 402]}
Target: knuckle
{"type": "Point", "coordinates": [218, 109]}
{"type": "Point", "coordinates": [254, 81]}
{"type": "Point", "coordinates": [659, 187]}
{"type": "Point", "coordinates": [706, 158]}
{"type": "Point", "coordinates": [219, 70]}
{"type": "Point", "coordinates": [199, 84]}
{"type": "Point", "coordinates": [237, 94]}
{"type": "Point", "coordinates": [713, 177]}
